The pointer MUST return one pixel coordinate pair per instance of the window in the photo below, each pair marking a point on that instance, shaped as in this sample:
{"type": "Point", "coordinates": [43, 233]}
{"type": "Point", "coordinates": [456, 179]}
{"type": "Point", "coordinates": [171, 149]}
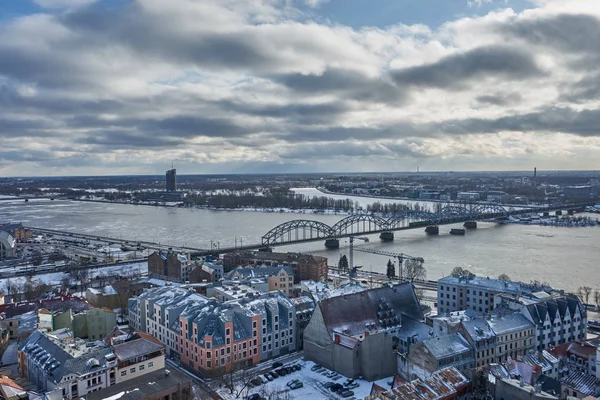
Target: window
{"type": "Point", "coordinates": [132, 370]}
{"type": "Point", "coordinates": [123, 373]}
{"type": "Point", "coordinates": [150, 364]}
{"type": "Point", "coordinates": [142, 367]}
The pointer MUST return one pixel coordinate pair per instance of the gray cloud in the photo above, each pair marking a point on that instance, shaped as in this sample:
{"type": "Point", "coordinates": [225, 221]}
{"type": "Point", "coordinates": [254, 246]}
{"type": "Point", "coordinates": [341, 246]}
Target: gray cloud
{"type": "Point", "coordinates": [500, 99]}
{"type": "Point", "coordinates": [453, 71]}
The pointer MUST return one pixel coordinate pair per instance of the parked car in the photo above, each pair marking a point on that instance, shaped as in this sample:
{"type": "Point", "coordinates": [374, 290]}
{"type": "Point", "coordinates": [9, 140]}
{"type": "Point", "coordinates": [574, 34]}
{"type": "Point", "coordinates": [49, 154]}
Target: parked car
{"type": "Point", "coordinates": [346, 393]}
{"type": "Point", "coordinates": [329, 384]}
{"type": "Point", "coordinates": [277, 364]}
{"type": "Point", "coordinates": [296, 385]}
{"type": "Point", "coordinates": [335, 378]}
{"type": "Point", "coordinates": [316, 367]}
{"type": "Point", "coordinates": [263, 379]}
{"type": "Point", "coordinates": [256, 381]}
{"type": "Point", "coordinates": [269, 377]}
{"type": "Point", "coordinates": [336, 387]}
{"type": "Point", "coordinates": [273, 374]}
{"type": "Point", "coordinates": [353, 385]}
{"type": "Point", "coordinates": [281, 372]}
{"type": "Point", "coordinates": [297, 367]}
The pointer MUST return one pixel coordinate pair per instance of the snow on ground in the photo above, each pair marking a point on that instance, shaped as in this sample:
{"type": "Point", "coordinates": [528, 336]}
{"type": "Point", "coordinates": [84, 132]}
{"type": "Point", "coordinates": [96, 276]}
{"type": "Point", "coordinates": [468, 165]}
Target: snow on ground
{"type": "Point", "coordinates": [313, 385]}
{"type": "Point", "coordinates": [27, 321]}
{"type": "Point", "coordinates": [54, 279]}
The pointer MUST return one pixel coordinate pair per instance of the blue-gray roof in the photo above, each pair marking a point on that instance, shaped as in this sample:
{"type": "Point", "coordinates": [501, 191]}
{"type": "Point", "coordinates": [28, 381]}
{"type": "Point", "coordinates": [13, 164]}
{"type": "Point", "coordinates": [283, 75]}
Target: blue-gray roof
{"type": "Point", "coordinates": [474, 281]}
{"type": "Point", "coordinates": [447, 345]}
{"type": "Point", "coordinates": [258, 272]}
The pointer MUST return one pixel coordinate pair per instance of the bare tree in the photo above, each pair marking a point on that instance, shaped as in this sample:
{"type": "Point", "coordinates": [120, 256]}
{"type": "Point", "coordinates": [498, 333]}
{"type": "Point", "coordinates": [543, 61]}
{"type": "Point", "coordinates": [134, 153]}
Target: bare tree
{"type": "Point", "coordinates": [414, 270]}
{"type": "Point", "coordinates": [584, 293]}
{"type": "Point", "coordinates": [65, 283]}
{"type": "Point", "coordinates": [597, 298]}
{"type": "Point", "coordinates": [236, 380]}
{"type": "Point", "coordinates": [459, 272]}
{"type": "Point", "coordinates": [504, 277]}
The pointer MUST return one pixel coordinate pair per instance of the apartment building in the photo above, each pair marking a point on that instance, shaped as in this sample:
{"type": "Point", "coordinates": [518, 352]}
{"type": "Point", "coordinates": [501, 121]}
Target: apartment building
{"type": "Point", "coordinates": [56, 361]}
{"type": "Point", "coordinates": [279, 277]}
{"type": "Point", "coordinates": [170, 266]}
{"type": "Point", "coordinates": [499, 337]}
{"type": "Point", "coordinates": [304, 266]}
{"type": "Point", "coordinates": [558, 317]}
{"type": "Point", "coordinates": [209, 335]}
{"type": "Point", "coordinates": [476, 293]}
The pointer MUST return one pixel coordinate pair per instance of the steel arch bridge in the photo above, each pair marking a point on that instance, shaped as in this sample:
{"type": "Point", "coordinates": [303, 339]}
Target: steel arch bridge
{"type": "Point", "coordinates": [403, 219]}
{"type": "Point", "coordinates": [360, 223]}
{"type": "Point", "coordinates": [296, 231]}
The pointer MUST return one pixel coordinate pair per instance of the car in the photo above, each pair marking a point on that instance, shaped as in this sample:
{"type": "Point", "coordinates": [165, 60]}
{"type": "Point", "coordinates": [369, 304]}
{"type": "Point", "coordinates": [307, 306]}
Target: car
{"type": "Point", "coordinates": [329, 384]}
{"type": "Point", "coordinates": [346, 393]}
{"type": "Point", "coordinates": [336, 387]}
{"type": "Point", "coordinates": [291, 383]}
{"type": "Point", "coordinates": [263, 379]}
{"type": "Point", "coordinates": [297, 385]}
{"type": "Point", "coordinates": [277, 364]}
{"type": "Point", "coordinates": [336, 378]}
{"type": "Point", "coordinates": [353, 385]}
{"type": "Point", "coordinates": [281, 372]}
{"type": "Point", "coordinates": [297, 367]}
{"type": "Point", "coordinates": [273, 374]}
{"type": "Point", "coordinates": [316, 367]}
{"type": "Point", "coordinates": [256, 381]}
{"type": "Point", "coordinates": [289, 370]}
{"type": "Point", "coordinates": [348, 381]}
{"type": "Point", "coordinates": [268, 377]}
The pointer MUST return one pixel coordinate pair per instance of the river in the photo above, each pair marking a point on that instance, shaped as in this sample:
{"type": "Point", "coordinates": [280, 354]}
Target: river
{"type": "Point", "coordinates": [565, 257]}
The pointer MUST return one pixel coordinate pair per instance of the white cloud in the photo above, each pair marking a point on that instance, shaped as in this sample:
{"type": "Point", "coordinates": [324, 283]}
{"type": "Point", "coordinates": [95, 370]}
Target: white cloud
{"type": "Point", "coordinates": [315, 3]}
{"type": "Point", "coordinates": [61, 4]}
{"type": "Point", "coordinates": [237, 81]}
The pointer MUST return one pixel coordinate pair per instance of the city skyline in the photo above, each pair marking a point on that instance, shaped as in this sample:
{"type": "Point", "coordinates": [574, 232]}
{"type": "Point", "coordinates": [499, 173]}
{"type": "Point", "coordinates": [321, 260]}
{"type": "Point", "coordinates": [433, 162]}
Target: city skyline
{"type": "Point", "coordinates": [125, 87]}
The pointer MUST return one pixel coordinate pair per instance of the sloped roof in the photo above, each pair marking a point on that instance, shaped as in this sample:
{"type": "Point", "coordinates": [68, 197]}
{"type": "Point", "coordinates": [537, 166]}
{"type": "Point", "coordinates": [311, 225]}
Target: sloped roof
{"type": "Point", "coordinates": [136, 348]}
{"type": "Point", "coordinates": [581, 382]}
{"type": "Point", "coordinates": [447, 345]}
{"type": "Point", "coordinates": [372, 310]}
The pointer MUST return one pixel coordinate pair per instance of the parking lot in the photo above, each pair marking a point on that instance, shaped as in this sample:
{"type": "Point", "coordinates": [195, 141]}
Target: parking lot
{"type": "Point", "coordinates": [302, 380]}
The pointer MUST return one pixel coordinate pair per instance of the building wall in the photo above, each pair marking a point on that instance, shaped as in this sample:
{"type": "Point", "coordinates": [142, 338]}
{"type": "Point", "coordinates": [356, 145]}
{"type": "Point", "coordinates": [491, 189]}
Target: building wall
{"type": "Point", "coordinates": [506, 391]}
{"type": "Point", "coordinates": [94, 324]}
{"type": "Point", "coordinates": [133, 371]}
{"type": "Point", "coordinates": [377, 358]}
{"type": "Point", "coordinates": [318, 345]}
{"type": "Point", "coordinates": [282, 281]}
{"type": "Point", "coordinates": [63, 320]}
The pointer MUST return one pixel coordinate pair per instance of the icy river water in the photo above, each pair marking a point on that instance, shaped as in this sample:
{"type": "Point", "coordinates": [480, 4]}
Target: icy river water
{"type": "Point", "coordinates": [565, 257]}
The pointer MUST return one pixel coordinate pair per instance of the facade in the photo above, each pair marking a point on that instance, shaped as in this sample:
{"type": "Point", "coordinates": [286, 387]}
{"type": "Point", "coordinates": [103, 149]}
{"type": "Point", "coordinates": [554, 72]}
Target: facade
{"type": "Point", "coordinates": [210, 336]}
{"type": "Point", "coordinates": [56, 361]}
{"type": "Point", "coordinates": [304, 266]}
{"type": "Point", "coordinates": [18, 231]}
{"type": "Point", "coordinates": [170, 266]}
{"type": "Point", "coordinates": [577, 356]}
{"type": "Point", "coordinates": [304, 306]}
{"type": "Point", "coordinates": [361, 334]}
{"type": "Point", "coordinates": [476, 293]}
{"type": "Point", "coordinates": [558, 317]}
{"type": "Point", "coordinates": [499, 337]}
{"type": "Point", "coordinates": [171, 177]}
{"type": "Point", "coordinates": [8, 245]}
{"type": "Point", "coordinates": [95, 323]}
{"type": "Point", "coordinates": [468, 196]}
{"type": "Point", "coordinates": [103, 297]}
{"type": "Point", "coordinates": [430, 355]}
{"type": "Point", "coordinates": [279, 277]}
{"type": "Point", "coordinates": [138, 357]}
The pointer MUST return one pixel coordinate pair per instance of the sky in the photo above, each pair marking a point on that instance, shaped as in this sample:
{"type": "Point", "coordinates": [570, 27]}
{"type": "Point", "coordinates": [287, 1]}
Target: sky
{"type": "Point", "coordinates": [107, 87]}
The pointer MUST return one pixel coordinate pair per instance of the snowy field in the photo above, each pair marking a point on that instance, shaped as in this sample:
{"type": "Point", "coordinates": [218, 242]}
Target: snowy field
{"type": "Point", "coordinates": [55, 278]}
{"type": "Point", "coordinates": [313, 386]}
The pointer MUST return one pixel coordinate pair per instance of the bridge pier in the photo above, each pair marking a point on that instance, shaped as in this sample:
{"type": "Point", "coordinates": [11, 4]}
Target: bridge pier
{"type": "Point", "coordinates": [546, 214]}
{"type": "Point", "coordinates": [432, 230]}
{"type": "Point", "coordinates": [470, 224]}
{"type": "Point", "coordinates": [387, 236]}
{"type": "Point", "coordinates": [332, 243]}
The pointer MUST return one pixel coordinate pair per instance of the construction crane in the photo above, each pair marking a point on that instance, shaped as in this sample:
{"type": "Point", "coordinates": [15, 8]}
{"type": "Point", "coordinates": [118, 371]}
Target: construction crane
{"type": "Point", "coordinates": [351, 268]}
{"type": "Point", "coordinates": [400, 256]}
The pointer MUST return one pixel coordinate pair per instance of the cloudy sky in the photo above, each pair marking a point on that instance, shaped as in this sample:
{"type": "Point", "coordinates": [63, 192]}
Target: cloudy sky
{"type": "Point", "coordinates": [229, 86]}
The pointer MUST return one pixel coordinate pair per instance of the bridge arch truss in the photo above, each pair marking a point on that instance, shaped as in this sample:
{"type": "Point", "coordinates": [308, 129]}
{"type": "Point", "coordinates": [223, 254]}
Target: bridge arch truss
{"type": "Point", "coordinates": [359, 224]}
{"type": "Point", "coordinates": [405, 218]}
{"type": "Point", "coordinates": [297, 230]}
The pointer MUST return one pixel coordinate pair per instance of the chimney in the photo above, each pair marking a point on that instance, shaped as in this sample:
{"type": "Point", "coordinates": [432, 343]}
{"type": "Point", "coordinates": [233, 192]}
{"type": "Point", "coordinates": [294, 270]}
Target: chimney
{"type": "Point", "coordinates": [336, 338]}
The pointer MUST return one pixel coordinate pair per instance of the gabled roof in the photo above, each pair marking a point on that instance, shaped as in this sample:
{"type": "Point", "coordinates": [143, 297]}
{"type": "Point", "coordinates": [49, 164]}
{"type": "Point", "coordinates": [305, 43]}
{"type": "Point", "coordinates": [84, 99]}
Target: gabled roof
{"type": "Point", "coordinates": [582, 382]}
{"type": "Point", "coordinates": [136, 348]}
{"type": "Point", "coordinates": [447, 345]}
{"type": "Point", "coordinates": [372, 310]}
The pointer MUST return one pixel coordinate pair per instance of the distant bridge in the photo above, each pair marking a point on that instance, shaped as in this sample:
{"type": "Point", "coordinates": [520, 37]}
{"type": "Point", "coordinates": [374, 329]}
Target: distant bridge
{"type": "Point", "coordinates": [302, 230]}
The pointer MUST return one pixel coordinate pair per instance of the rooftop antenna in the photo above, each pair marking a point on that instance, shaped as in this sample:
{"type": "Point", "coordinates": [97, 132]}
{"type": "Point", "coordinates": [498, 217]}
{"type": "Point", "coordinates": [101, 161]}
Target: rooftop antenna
{"type": "Point", "coordinates": [172, 165]}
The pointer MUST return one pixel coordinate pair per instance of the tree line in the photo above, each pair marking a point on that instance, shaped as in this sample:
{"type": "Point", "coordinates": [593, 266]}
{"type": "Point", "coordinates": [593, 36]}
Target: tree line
{"type": "Point", "coordinates": [270, 200]}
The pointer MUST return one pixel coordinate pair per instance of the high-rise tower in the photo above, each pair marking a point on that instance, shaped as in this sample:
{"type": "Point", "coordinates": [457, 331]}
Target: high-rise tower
{"type": "Point", "coordinates": [172, 180]}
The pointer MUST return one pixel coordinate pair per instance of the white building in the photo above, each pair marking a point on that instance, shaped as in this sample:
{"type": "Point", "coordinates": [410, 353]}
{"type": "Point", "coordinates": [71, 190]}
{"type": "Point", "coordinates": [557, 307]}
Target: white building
{"type": "Point", "coordinates": [8, 245]}
{"type": "Point", "coordinates": [476, 293]}
{"type": "Point", "coordinates": [559, 318]}
{"type": "Point", "coordinates": [469, 196]}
